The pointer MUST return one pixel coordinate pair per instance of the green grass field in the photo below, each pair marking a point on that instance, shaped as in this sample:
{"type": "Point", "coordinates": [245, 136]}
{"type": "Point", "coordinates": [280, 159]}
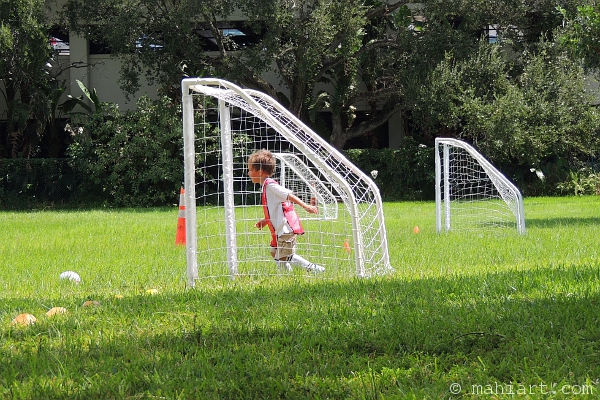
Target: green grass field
{"type": "Point", "coordinates": [473, 315]}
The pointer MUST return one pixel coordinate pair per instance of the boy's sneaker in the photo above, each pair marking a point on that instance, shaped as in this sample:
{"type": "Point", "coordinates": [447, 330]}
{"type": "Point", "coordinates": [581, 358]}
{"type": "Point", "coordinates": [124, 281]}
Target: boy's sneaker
{"type": "Point", "coordinates": [315, 268]}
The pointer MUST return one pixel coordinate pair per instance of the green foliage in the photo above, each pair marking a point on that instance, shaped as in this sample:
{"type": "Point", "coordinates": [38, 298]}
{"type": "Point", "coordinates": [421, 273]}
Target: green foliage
{"type": "Point", "coordinates": [69, 105]}
{"type": "Point", "coordinates": [36, 183]}
{"type": "Point", "coordinates": [583, 182]}
{"type": "Point", "coordinates": [404, 174]}
{"type": "Point", "coordinates": [545, 115]}
{"type": "Point", "coordinates": [520, 116]}
{"type": "Point", "coordinates": [440, 109]}
{"type": "Point", "coordinates": [24, 53]}
{"type": "Point", "coordinates": [6, 37]}
{"type": "Point", "coordinates": [132, 159]}
{"type": "Point", "coordinates": [580, 34]}
{"type": "Point", "coordinates": [24, 48]}
{"type": "Point", "coordinates": [300, 46]}
{"type": "Point", "coordinates": [338, 56]}
{"type": "Point", "coordinates": [161, 46]}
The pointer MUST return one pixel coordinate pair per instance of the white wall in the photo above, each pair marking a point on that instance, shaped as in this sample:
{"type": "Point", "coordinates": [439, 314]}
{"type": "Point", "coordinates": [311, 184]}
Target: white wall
{"type": "Point", "coordinates": [99, 72]}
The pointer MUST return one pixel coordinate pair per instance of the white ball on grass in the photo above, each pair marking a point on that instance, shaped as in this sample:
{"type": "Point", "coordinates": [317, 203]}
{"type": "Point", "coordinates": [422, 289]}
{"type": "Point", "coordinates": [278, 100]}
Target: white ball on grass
{"type": "Point", "coordinates": [70, 275]}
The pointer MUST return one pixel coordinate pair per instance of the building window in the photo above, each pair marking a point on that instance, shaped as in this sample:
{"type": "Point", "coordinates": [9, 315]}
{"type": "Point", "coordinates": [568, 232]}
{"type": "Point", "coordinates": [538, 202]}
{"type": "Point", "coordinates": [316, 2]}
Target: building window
{"type": "Point", "coordinates": [490, 33]}
{"type": "Point", "coordinates": [99, 46]}
{"type": "Point", "coordinates": [238, 36]}
{"type": "Point", "coordinates": [59, 41]}
{"type": "Point", "coordinates": [151, 42]}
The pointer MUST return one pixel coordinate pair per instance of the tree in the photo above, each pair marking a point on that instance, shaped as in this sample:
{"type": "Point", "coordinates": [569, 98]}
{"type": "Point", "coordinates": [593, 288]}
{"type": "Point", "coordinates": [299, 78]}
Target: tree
{"type": "Point", "coordinates": [352, 54]}
{"type": "Point", "coordinates": [351, 48]}
{"type": "Point", "coordinates": [339, 56]}
{"type": "Point", "coordinates": [303, 44]}
{"type": "Point", "coordinates": [540, 117]}
{"type": "Point", "coordinates": [166, 41]}
{"type": "Point", "coordinates": [580, 34]}
{"type": "Point", "coordinates": [24, 52]}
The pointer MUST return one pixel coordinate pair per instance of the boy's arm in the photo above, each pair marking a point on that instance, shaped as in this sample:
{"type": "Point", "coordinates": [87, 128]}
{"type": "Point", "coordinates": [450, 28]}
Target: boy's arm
{"type": "Point", "coordinates": [296, 200]}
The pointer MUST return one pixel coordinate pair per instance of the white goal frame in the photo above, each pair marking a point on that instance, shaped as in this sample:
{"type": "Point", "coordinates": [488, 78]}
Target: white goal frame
{"type": "Point", "coordinates": [470, 193]}
{"type": "Point", "coordinates": [292, 166]}
{"type": "Point", "coordinates": [335, 183]}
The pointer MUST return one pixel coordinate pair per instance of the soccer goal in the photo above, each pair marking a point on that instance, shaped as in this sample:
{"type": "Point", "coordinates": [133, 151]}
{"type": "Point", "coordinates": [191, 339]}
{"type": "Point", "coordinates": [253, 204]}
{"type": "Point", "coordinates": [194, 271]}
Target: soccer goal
{"type": "Point", "coordinates": [223, 125]}
{"type": "Point", "coordinates": [471, 193]}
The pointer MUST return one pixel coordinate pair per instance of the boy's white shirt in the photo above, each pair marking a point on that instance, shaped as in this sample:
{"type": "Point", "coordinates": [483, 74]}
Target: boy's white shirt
{"type": "Point", "coordinates": [277, 194]}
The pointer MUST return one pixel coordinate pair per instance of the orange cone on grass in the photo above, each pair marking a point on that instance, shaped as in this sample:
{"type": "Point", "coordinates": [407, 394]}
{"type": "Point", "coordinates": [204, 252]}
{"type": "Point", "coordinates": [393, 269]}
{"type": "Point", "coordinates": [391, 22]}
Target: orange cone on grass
{"type": "Point", "coordinates": [347, 246]}
{"type": "Point", "coordinates": [180, 238]}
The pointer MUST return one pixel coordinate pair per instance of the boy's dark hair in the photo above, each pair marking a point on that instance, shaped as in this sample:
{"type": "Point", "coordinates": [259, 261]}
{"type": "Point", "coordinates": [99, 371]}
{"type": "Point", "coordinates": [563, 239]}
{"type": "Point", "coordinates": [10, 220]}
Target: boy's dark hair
{"type": "Point", "coordinates": [262, 160]}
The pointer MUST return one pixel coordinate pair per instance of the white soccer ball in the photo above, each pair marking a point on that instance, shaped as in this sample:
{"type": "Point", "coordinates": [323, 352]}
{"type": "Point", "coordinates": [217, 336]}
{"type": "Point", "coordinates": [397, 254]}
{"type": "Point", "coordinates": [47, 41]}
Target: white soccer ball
{"type": "Point", "coordinates": [70, 275]}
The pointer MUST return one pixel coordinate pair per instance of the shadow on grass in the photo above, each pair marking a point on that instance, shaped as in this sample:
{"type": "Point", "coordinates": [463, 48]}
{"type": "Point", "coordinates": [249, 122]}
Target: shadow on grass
{"type": "Point", "coordinates": [348, 339]}
{"type": "Point", "coordinates": [554, 222]}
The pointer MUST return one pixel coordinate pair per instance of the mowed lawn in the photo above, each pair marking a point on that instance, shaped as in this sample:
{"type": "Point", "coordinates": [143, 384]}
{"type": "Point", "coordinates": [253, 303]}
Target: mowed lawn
{"type": "Point", "coordinates": [483, 314]}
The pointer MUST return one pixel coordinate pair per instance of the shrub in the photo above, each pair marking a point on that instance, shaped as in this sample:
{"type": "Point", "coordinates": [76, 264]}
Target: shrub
{"type": "Point", "coordinates": [537, 115]}
{"type": "Point", "coordinates": [583, 182]}
{"type": "Point", "coordinates": [407, 173]}
{"type": "Point", "coordinates": [27, 183]}
{"type": "Point", "coordinates": [132, 160]}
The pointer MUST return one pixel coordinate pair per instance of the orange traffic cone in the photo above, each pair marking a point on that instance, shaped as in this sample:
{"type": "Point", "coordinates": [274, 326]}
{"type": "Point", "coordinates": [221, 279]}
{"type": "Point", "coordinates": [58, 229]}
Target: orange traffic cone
{"type": "Point", "coordinates": [347, 246]}
{"type": "Point", "coordinates": [180, 238]}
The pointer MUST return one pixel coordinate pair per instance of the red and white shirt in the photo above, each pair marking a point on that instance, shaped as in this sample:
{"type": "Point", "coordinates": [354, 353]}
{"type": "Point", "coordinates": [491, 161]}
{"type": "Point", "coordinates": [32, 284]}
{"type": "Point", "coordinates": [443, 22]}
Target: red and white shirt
{"type": "Point", "coordinates": [276, 195]}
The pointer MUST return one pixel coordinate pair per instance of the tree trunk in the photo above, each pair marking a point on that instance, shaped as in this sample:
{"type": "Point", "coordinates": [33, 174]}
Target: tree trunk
{"type": "Point", "coordinates": [297, 97]}
{"type": "Point", "coordinates": [340, 135]}
{"type": "Point", "coordinates": [337, 139]}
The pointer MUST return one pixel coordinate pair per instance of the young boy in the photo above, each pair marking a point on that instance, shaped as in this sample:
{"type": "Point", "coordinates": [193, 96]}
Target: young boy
{"type": "Point", "coordinates": [279, 214]}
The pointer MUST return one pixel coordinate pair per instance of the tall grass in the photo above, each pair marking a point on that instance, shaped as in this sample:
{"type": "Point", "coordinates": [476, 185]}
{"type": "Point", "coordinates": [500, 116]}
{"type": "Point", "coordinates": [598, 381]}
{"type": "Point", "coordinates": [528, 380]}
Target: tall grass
{"type": "Point", "coordinates": [469, 315]}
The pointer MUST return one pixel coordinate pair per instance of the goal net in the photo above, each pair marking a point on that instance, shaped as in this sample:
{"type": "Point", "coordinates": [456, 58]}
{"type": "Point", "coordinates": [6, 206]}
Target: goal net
{"type": "Point", "coordinates": [471, 193]}
{"type": "Point", "coordinates": [223, 125]}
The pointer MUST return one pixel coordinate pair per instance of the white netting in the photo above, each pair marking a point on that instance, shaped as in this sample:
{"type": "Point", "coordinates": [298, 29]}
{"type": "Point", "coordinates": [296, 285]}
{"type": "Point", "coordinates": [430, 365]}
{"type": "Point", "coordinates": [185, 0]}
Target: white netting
{"type": "Point", "coordinates": [229, 123]}
{"type": "Point", "coordinates": [294, 174]}
{"type": "Point", "coordinates": [471, 193]}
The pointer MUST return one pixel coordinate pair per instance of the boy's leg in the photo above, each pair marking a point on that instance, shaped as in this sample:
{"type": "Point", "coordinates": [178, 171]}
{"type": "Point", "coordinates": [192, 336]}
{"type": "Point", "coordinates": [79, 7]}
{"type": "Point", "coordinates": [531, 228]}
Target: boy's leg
{"type": "Point", "coordinates": [286, 250]}
{"type": "Point", "coordinates": [282, 264]}
{"type": "Point", "coordinates": [304, 263]}
{"type": "Point", "coordinates": [286, 245]}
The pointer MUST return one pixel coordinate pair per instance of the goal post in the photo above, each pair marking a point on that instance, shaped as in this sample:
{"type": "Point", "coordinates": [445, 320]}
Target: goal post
{"type": "Point", "coordinates": [470, 193]}
{"type": "Point", "coordinates": [222, 125]}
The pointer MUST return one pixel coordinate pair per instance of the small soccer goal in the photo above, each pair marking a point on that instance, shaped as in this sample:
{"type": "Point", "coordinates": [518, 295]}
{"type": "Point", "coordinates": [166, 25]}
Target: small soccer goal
{"type": "Point", "coordinates": [223, 125]}
{"type": "Point", "coordinates": [471, 193]}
